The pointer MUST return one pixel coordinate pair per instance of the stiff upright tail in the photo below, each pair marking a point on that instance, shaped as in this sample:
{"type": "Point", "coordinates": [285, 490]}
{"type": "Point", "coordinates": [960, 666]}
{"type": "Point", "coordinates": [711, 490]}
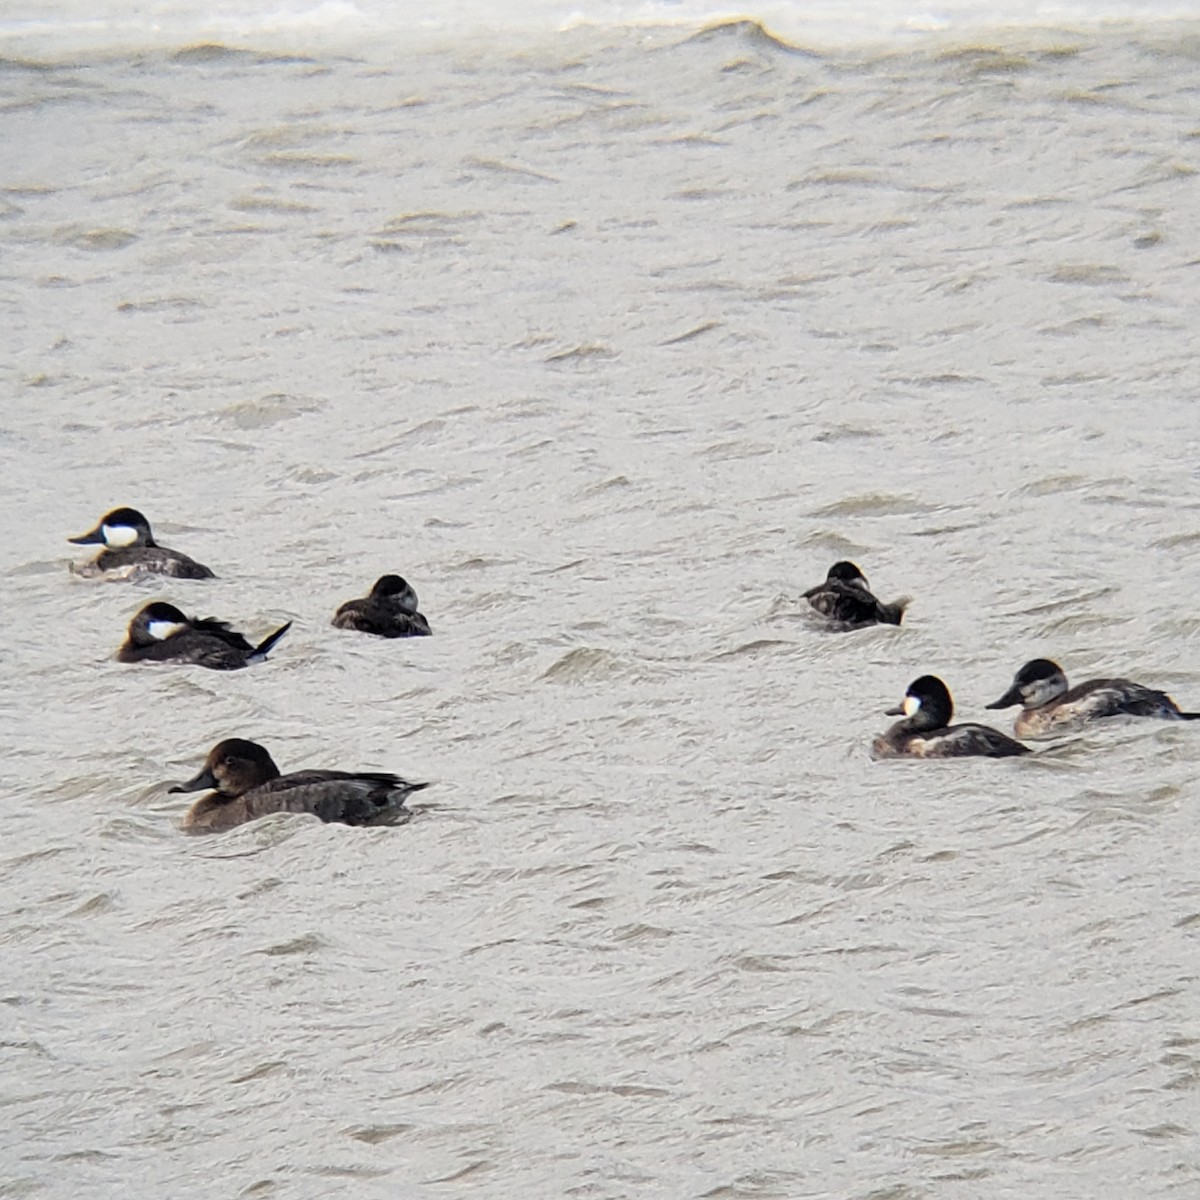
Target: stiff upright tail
{"type": "Point", "coordinates": [267, 644]}
{"type": "Point", "coordinates": [892, 614]}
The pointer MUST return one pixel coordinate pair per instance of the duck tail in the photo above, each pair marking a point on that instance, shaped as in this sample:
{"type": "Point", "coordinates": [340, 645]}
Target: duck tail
{"type": "Point", "coordinates": [406, 789]}
{"type": "Point", "coordinates": [267, 644]}
{"type": "Point", "coordinates": [892, 614]}
{"type": "Point", "coordinates": [390, 808]}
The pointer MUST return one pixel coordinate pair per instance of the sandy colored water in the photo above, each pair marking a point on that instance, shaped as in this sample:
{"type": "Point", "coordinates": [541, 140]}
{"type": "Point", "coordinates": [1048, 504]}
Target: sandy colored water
{"type": "Point", "coordinates": [610, 343]}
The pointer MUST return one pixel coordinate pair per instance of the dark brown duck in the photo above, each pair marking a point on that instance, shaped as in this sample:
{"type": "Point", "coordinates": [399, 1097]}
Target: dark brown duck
{"type": "Point", "coordinates": [390, 610]}
{"type": "Point", "coordinates": [246, 784]}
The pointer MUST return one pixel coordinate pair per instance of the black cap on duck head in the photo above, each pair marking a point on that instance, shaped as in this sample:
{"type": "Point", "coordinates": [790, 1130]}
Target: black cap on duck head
{"type": "Point", "coordinates": [928, 696]}
{"type": "Point", "coordinates": [847, 572]}
{"type": "Point", "coordinates": [233, 766]}
{"type": "Point", "coordinates": [398, 591]}
{"type": "Point", "coordinates": [160, 610]}
{"type": "Point", "coordinates": [1037, 671]}
{"type": "Point", "coordinates": [390, 585]}
{"type": "Point", "coordinates": [120, 528]}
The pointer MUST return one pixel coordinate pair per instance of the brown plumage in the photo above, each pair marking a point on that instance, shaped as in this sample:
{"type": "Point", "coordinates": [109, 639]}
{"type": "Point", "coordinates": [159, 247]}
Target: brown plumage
{"type": "Point", "coordinates": [247, 785]}
{"type": "Point", "coordinates": [390, 611]}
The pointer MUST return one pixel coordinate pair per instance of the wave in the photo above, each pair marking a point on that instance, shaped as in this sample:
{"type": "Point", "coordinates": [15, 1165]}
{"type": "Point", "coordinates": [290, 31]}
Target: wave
{"type": "Point", "coordinates": [323, 26]}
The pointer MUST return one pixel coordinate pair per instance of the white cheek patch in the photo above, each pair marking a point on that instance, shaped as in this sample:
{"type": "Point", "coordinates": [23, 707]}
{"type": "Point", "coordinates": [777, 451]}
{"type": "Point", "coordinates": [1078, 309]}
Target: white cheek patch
{"type": "Point", "coordinates": [161, 630]}
{"type": "Point", "coordinates": [119, 536]}
{"type": "Point", "coordinates": [911, 706]}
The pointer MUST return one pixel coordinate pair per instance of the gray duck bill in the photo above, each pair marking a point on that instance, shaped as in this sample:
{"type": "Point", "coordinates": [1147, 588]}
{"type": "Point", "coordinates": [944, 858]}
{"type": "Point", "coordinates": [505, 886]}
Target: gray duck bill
{"type": "Point", "coordinates": [198, 783]}
{"type": "Point", "coordinates": [89, 539]}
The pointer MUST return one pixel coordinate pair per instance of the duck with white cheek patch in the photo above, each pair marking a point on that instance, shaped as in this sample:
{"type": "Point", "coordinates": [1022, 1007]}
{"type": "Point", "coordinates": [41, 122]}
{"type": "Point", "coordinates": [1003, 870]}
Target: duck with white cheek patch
{"type": "Point", "coordinates": [131, 552]}
{"type": "Point", "coordinates": [160, 633]}
{"type": "Point", "coordinates": [926, 732]}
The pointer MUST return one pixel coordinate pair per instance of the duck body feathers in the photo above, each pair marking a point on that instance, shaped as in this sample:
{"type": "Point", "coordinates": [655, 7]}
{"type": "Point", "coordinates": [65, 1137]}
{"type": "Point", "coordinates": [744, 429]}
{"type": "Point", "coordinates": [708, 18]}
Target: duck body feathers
{"type": "Point", "coordinates": [136, 562]}
{"type": "Point", "coordinates": [952, 741]}
{"type": "Point", "coordinates": [363, 616]}
{"type": "Point", "coordinates": [344, 797]}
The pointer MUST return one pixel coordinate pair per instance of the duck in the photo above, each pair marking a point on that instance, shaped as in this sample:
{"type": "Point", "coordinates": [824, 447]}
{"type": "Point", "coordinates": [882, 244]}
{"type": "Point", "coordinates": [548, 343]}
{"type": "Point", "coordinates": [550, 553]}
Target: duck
{"type": "Point", "coordinates": [846, 600]}
{"type": "Point", "coordinates": [246, 784]}
{"type": "Point", "coordinates": [926, 732]}
{"type": "Point", "coordinates": [161, 633]}
{"type": "Point", "coordinates": [131, 552]}
{"type": "Point", "coordinates": [1050, 705]}
{"type": "Point", "coordinates": [389, 610]}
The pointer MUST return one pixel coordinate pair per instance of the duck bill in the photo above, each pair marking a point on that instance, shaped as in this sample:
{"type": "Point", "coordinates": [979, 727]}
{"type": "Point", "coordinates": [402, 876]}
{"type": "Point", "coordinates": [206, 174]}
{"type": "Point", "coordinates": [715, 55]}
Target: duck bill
{"type": "Point", "coordinates": [1011, 697]}
{"type": "Point", "coordinates": [898, 711]}
{"type": "Point", "coordinates": [95, 538]}
{"type": "Point", "coordinates": [199, 783]}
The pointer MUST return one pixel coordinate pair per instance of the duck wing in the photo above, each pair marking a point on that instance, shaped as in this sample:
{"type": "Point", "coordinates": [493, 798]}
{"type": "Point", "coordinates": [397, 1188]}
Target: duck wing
{"type": "Point", "coordinates": [364, 616]}
{"type": "Point", "coordinates": [347, 797]}
{"type": "Point", "coordinates": [1116, 697]}
{"type": "Point", "coordinates": [361, 616]}
{"type": "Point", "coordinates": [969, 739]}
{"type": "Point", "coordinates": [222, 631]}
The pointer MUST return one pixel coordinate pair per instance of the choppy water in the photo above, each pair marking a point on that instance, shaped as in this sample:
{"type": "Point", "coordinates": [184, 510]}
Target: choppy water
{"type": "Point", "coordinates": [610, 342]}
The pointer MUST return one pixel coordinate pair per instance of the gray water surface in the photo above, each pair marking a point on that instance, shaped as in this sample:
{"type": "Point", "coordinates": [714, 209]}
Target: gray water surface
{"type": "Point", "coordinates": [610, 344]}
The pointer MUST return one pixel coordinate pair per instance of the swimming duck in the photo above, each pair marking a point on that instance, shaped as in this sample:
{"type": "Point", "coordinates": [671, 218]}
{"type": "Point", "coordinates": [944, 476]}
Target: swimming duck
{"type": "Point", "coordinates": [161, 633]}
{"type": "Point", "coordinates": [926, 731]}
{"type": "Point", "coordinates": [389, 611]}
{"type": "Point", "coordinates": [246, 784]}
{"type": "Point", "coordinates": [845, 598]}
{"type": "Point", "coordinates": [130, 550]}
{"type": "Point", "coordinates": [1049, 705]}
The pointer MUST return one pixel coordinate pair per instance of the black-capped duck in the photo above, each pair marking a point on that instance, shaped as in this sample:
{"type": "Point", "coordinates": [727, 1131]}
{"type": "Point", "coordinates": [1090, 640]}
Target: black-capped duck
{"type": "Point", "coordinates": [130, 551]}
{"type": "Point", "coordinates": [246, 784]}
{"type": "Point", "coordinates": [926, 731]}
{"type": "Point", "coordinates": [845, 599]}
{"type": "Point", "coordinates": [161, 633]}
{"type": "Point", "coordinates": [1049, 705]}
{"type": "Point", "coordinates": [389, 611]}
